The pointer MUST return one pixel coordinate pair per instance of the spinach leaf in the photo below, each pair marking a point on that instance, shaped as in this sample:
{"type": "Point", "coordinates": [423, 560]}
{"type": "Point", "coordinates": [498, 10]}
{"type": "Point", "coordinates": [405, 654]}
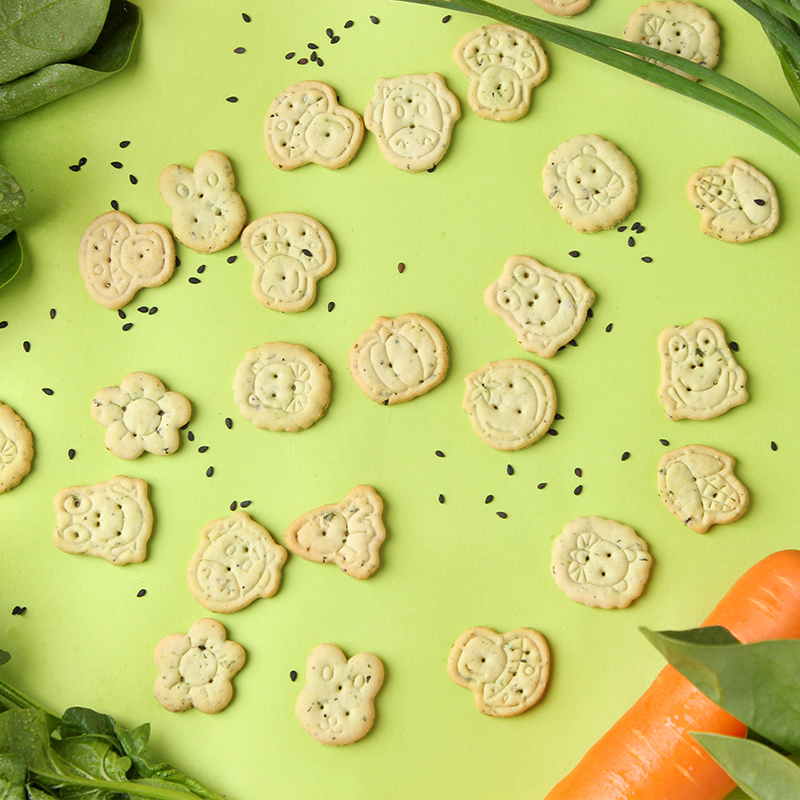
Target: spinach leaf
{"type": "Point", "coordinates": [12, 202]}
{"type": "Point", "coordinates": [13, 777]}
{"type": "Point", "coordinates": [11, 257]}
{"type": "Point", "coordinates": [757, 769]}
{"type": "Point", "coordinates": [42, 32]}
{"type": "Point", "coordinates": [109, 54]}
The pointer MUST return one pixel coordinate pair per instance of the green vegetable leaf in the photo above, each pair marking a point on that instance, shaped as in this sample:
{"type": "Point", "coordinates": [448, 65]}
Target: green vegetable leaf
{"type": "Point", "coordinates": [5, 657]}
{"type": "Point", "coordinates": [109, 54]}
{"type": "Point", "coordinates": [10, 257]}
{"type": "Point", "coordinates": [757, 683]}
{"type": "Point", "coordinates": [13, 777]}
{"type": "Point", "coordinates": [757, 769]}
{"type": "Point", "coordinates": [12, 202]}
{"type": "Point", "coordinates": [41, 32]}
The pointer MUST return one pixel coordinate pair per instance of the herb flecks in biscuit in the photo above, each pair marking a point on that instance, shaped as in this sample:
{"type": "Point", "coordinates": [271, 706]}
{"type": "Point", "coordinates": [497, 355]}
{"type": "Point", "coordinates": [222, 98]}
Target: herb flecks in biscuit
{"type": "Point", "coordinates": [507, 672]}
{"type": "Point", "coordinates": [16, 448]}
{"type": "Point", "coordinates": [563, 8]}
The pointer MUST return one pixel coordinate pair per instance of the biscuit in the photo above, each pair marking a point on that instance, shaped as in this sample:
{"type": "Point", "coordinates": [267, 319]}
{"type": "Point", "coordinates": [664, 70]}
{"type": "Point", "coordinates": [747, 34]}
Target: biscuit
{"type": "Point", "coordinates": [236, 562]}
{"type": "Point", "coordinates": [590, 182]}
{"type": "Point", "coordinates": [697, 485]}
{"type": "Point", "coordinates": [196, 668]}
{"type": "Point", "coordinates": [399, 359]}
{"type": "Point", "coordinates": [305, 124]}
{"type": "Point", "coordinates": [503, 65]}
{"type": "Point", "coordinates": [336, 706]}
{"type": "Point", "coordinates": [290, 253]}
{"type": "Point", "coordinates": [412, 117]}
{"type": "Point", "coordinates": [700, 378]}
{"type": "Point", "coordinates": [681, 28]}
{"type": "Point", "coordinates": [348, 534]}
{"type": "Point", "coordinates": [117, 257]}
{"type": "Point", "coordinates": [506, 672]}
{"type": "Point", "coordinates": [600, 562]}
{"type": "Point", "coordinates": [563, 8]}
{"type": "Point", "coordinates": [737, 203]}
{"type": "Point", "coordinates": [207, 213]}
{"type": "Point", "coordinates": [16, 448]}
{"type": "Point", "coordinates": [140, 414]}
{"type": "Point", "coordinates": [545, 308]}
{"type": "Point", "coordinates": [282, 387]}
{"type": "Point", "coordinates": [511, 403]}
{"type": "Point", "coordinates": [112, 520]}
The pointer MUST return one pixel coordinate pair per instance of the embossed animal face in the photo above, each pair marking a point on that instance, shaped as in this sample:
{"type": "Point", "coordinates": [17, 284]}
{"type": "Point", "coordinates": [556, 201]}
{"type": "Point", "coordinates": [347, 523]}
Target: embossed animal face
{"type": "Point", "coordinates": [282, 385]}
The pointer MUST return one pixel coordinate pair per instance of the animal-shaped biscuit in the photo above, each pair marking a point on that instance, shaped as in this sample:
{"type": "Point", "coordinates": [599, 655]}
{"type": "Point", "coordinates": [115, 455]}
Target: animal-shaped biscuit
{"type": "Point", "coordinates": [348, 534]}
{"type": "Point", "coordinates": [700, 378]}
{"type": "Point", "coordinates": [545, 308]}
{"type": "Point", "coordinates": [511, 403]}
{"type": "Point", "coordinates": [503, 65]}
{"type": "Point", "coordinates": [590, 182]}
{"type": "Point", "coordinates": [600, 562]}
{"type": "Point", "coordinates": [305, 124]}
{"type": "Point", "coordinates": [207, 213]}
{"type": "Point", "coordinates": [336, 706]}
{"type": "Point", "coordinates": [290, 253]}
{"type": "Point", "coordinates": [507, 672]}
{"type": "Point", "coordinates": [737, 202]}
{"type": "Point", "coordinates": [399, 359]}
{"type": "Point", "coordinates": [140, 414]}
{"type": "Point", "coordinates": [118, 256]}
{"type": "Point", "coordinates": [697, 485]}
{"type": "Point", "coordinates": [112, 520]}
{"type": "Point", "coordinates": [236, 562]}
{"type": "Point", "coordinates": [412, 117]}
{"type": "Point", "coordinates": [16, 448]}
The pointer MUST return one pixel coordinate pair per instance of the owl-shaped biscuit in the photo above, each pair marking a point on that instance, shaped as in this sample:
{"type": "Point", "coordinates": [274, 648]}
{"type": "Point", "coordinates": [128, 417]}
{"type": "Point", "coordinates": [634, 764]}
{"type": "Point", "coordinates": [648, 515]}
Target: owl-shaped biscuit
{"type": "Point", "coordinates": [207, 213]}
{"type": "Point", "coordinates": [700, 378]}
{"type": "Point", "coordinates": [290, 253]}
{"type": "Point", "coordinates": [506, 672]}
{"type": "Point", "coordinates": [348, 534]}
{"type": "Point", "coordinates": [545, 308]}
{"type": "Point", "coordinates": [503, 65]}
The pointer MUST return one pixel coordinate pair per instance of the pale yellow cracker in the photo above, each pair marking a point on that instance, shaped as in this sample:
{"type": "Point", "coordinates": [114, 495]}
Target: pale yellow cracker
{"type": "Point", "coordinates": [700, 378]}
{"type": "Point", "coordinates": [16, 448]}
{"type": "Point", "coordinates": [507, 672]}
{"type": "Point", "coordinates": [563, 8]}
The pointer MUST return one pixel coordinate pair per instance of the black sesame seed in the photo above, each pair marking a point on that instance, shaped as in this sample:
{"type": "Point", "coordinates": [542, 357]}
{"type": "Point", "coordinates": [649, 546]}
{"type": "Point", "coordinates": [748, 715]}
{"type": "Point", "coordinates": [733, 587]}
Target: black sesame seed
{"type": "Point", "coordinates": [121, 314]}
{"type": "Point", "coordinates": [232, 99]}
{"type": "Point", "coordinates": [439, 453]}
{"type": "Point", "coordinates": [373, 19]}
{"type": "Point", "coordinates": [773, 445]}
{"type": "Point", "coordinates": [48, 392]}
{"type": "Point", "coordinates": [578, 472]}
{"type": "Point", "coordinates": [190, 436]}
{"type": "Point", "coordinates": [331, 305]}
{"type": "Point", "coordinates": [153, 310]}
{"type": "Point", "coordinates": [133, 179]}
{"type": "Point", "coordinates": [401, 267]}
{"type": "Point", "coordinates": [290, 56]}
{"type": "Point", "coordinates": [441, 498]}
{"type": "Point", "coordinates": [177, 262]}
{"type": "Point", "coordinates": [70, 454]}
{"type": "Point", "coordinates": [18, 610]}
{"type": "Point", "coordinates": [590, 313]}
{"type": "Point", "coordinates": [631, 241]}
{"type": "Point", "coordinates": [312, 46]}
{"type": "Point", "coordinates": [553, 432]}
{"type": "Point", "coordinates": [665, 442]}
{"type": "Point", "coordinates": [302, 61]}
{"type": "Point", "coordinates": [245, 503]}
{"type": "Point", "coordinates": [502, 514]}
{"type": "Point", "coordinates": [141, 593]}
{"type": "Point", "coordinates": [233, 505]}
{"type": "Point", "coordinates": [574, 253]}
{"type": "Point", "coordinates": [625, 456]}
{"type": "Point", "coordinates": [320, 62]}
{"type": "Point", "coordinates": [26, 346]}
{"type": "Point", "coordinates": [202, 448]}
{"type": "Point", "coordinates": [116, 164]}
{"type": "Point", "coordinates": [609, 327]}
{"type": "Point", "coordinates": [127, 326]}
{"type": "Point", "coordinates": [115, 205]}
{"type": "Point", "coordinates": [209, 472]}
{"type": "Point", "coordinates": [734, 346]}
{"type": "Point", "coordinates": [558, 416]}
{"type": "Point", "coordinates": [541, 486]}
{"type": "Point", "coordinates": [238, 50]}
{"type": "Point", "coordinates": [74, 167]}
{"type": "Point", "coordinates": [349, 23]}
{"type": "Point", "coordinates": [3, 324]}
{"type": "Point", "coordinates": [446, 18]}
{"type": "Point", "coordinates": [622, 228]}
{"type": "Point", "coordinates": [52, 313]}
{"type": "Point", "coordinates": [124, 143]}
{"type": "Point", "coordinates": [647, 259]}
{"type": "Point", "coordinates": [510, 470]}
{"type": "Point", "coordinates": [246, 17]}
{"type": "Point", "coordinates": [293, 676]}
{"type": "Point", "coordinates": [143, 309]}
{"type": "Point", "coordinates": [334, 39]}
{"type": "Point", "coordinates": [201, 269]}
{"type": "Point", "coordinates": [432, 168]}
{"type": "Point", "coordinates": [329, 32]}
{"type": "Point", "coordinates": [489, 498]}
{"type": "Point", "coordinates": [577, 490]}
{"type": "Point", "coordinates": [228, 423]}
{"type": "Point", "coordinates": [760, 202]}
{"type": "Point", "coordinates": [194, 280]}
{"type": "Point", "coordinates": [231, 259]}
{"type": "Point", "coordinates": [313, 55]}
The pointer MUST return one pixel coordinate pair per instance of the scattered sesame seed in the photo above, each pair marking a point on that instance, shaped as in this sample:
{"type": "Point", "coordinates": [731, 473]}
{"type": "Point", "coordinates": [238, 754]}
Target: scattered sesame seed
{"type": "Point", "coordinates": [553, 432]}
{"type": "Point", "coordinates": [734, 346]}
{"type": "Point", "coordinates": [290, 56]}
{"type": "Point", "coordinates": [153, 310]}
{"type": "Point", "coordinates": [232, 99]}
{"type": "Point", "coordinates": [143, 309]}
{"type": "Point", "coordinates": [233, 505]}
{"type": "Point", "coordinates": [439, 453]}
{"type": "Point", "coordinates": [349, 24]}
{"type": "Point", "coordinates": [502, 514]}
{"type": "Point", "coordinates": [228, 423]}
{"type": "Point", "coordinates": [48, 392]}
{"type": "Point", "coordinates": [759, 202]}
{"type": "Point", "coordinates": [231, 259]}
{"type": "Point", "coordinates": [334, 39]}
{"type": "Point", "coordinates": [293, 676]}
{"type": "Point", "coordinates": [665, 442]}
{"type": "Point", "coordinates": [319, 61]}
{"type": "Point", "coordinates": [578, 472]}
{"type": "Point", "coordinates": [647, 259]}
{"type": "Point", "coordinates": [190, 436]}
{"type": "Point", "coordinates": [329, 32]}
{"type": "Point", "coordinates": [194, 280]}
{"type": "Point", "coordinates": [489, 498]}
{"type": "Point", "coordinates": [52, 313]}
{"type": "Point", "coordinates": [590, 313]}
{"type": "Point", "coordinates": [312, 46]}
{"type": "Point", "coordinates": [625, 456]}
{"type": "Point", "coordinates": [202, 448]}
{"type": "Point", "coordinates": [510, 470]}
{"type": "Point", "coordinates": [373, 19]}
{"type": "Point", "coordinates": [541, 486]}
{"type": "Point", "coordinates": [121, 314]}
{"type": "Point", "coordinates": [622, 228]}
{"type": "Point", "coordinates": [313, 55]}
{"type": "Point", "coordinates": [577, 490]}
{"type": "Point", "coordinates": [127, 326]}
{"type": "Point", "coordinates": [74, 167]}
{"type": "Point", "coordinates": [26, 346]}
{"type": "Point", "coordinates": [631, 241]}
{"type": "Point", "coordinates": [302, 61]}
{"type": "Point", "coordinates": [245, 503]}
{"type": "Point", "coordinates": [209, 472]}
{"type": "Point", "coordinates": [441, 498]}
{"type": "Point", "coordinates": [609, 327]}
{"type": "Point", "coordinates": [3, 324]}
{"type": "Point", "coordinates": [558, 416]}
{"type": "Point", "coordinates": [574, 253]}
{"type": "Point", "coordinates": [446, 18]}
{"type": "Point", "coordinates": [116, 164]}
{"type": "Point", "coordinates": [331, 305]}
{"type": "Point", "coordinates": [133, 179]}
{"type": "Point", "coordinates": [238, 50]}
{"type": "Point", "coordinates": [401, 267]}
{"type": "Point", "coordinates": [141, 593]}
{"type": "Point", "coordinates": [124, 143]}
{"type": "Point", "coordinates": [18, 610]}
{"type": "Point", "coordinates": [201, 269]}
{"type": "Point", "coordinates": [70, 454]}
{"type": "Point", "coordinates": [115, 205]}
{"type": "Point", "coordinates": [246, 17]}
{"type": "Point", "coordinates": [773, 445]}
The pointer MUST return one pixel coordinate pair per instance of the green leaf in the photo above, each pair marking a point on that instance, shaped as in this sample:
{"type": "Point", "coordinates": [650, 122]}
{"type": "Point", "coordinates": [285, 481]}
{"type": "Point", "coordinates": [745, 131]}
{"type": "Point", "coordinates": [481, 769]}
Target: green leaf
{"type": "Point", "coordinates": [78, 721]}
{"type": "Point", "coordinates": [110, 54]}
{"type": "Point", "coordinates": [13, 777]}
{"type": "Point", "coordinates": [757, 769]}
{"type": "Point", "coordinates": [12, 202]}
{"type": "Point", "coordinates": [10, 257]}
{"type": "Point", "coordinates": [5, 657]}
{"type": "Point", "coordinates": [41, 32]}
{"type": "Point", "coordinates": [757, 683]}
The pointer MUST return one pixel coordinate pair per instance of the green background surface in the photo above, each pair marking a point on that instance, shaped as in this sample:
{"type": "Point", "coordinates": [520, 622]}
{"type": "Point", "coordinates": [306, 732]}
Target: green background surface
{"type": "Point", "coordinates": [87, 639]}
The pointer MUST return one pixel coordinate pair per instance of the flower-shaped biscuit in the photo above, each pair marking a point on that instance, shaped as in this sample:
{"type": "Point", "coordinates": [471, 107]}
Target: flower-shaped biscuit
{"type": "Point", "coordinates": [16, 448]}
{"type": "Point", "coordinates": [140, 414]}
{"type": "Point", "coordinates": [195, 669]}
{"type": "Point", "coordinates": [507, 672]}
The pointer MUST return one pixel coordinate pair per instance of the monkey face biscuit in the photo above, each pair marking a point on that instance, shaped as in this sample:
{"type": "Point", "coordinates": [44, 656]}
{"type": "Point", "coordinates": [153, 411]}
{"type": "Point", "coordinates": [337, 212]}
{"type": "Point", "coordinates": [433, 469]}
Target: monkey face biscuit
{"type": "Point", "coordinates": [511, 404]}
{"type": "Point", "coordinates": [111, 520]}
{"type": "Point", "coordinates": [412, 117]}
{"type": "Point", "coordinates": [697, 485]}
{"type": "Point", "coordinates": [399, 359]}
{"type": "Point", "coordinates": [348, 534]}
{"type": "Point", "coordinates": [700, 378]}
{"type": "Point", "coordinates": [305, 124]}
{"type": "Point", "coordinates": [545, 308]}
{"type": "Point", "coordinates": [16, 448]}
{"type": "Point", "coordinates": [118, 256]}
{"type": "Point", "coordinates": [196, 668]}
{"type": "Point", "coordinates": [600, 562]}
{"type": "Point", "coordinates": [236, 562]}
{"type": "Point", "coordinates": [506, 672]}
{"type": "Point", "coordinates": [336, 706]}
{"type": "Point", "coordinates": [282, 387]}
{"type": "Point", "coordinates": [503, 65]}
{"type": "Point", "coordinates": [737, 202]}
{"type": "Point", "coordinates": [590, 182]}
{"type": "Point", "coordinates": [207, 213]}
{"type": "Point", "coordinates": [290, 253]}
{"type": "Point", "coordinates": [140, 414]}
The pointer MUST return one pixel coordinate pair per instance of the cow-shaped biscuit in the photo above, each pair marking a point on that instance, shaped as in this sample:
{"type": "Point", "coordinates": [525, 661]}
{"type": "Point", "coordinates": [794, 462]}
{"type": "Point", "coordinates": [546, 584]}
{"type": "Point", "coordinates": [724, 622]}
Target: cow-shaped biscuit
{"type": "Point", "coordinates": [290, 253]}
{"type": "Point", "coordinates": [503, 65]}
{"type": "Point", "coordinates": [207, 213]}
{"type": "Point", "coordinates": [412, 117]}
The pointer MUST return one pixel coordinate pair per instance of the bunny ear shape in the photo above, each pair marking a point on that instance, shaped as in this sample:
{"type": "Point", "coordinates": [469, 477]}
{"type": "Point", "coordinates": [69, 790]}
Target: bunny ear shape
{"type": "Point", "coordinates": [176, 184]}
{"type": "Point", "coordinates": [214, 171]}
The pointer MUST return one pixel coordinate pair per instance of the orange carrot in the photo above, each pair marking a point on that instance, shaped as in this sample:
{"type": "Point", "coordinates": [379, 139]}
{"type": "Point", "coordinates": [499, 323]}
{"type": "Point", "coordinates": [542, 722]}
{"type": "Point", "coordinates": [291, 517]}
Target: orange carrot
{"type": "Point", "coordinates": [648, 754]}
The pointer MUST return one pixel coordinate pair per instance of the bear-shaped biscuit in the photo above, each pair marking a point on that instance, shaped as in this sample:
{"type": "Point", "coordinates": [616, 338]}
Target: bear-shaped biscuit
{"type": "Point", "coordinates": [207, 213]}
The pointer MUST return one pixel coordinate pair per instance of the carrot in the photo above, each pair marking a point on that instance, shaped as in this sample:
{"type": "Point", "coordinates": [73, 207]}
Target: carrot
{"type": "Point", "coordinates": [648, 754]}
